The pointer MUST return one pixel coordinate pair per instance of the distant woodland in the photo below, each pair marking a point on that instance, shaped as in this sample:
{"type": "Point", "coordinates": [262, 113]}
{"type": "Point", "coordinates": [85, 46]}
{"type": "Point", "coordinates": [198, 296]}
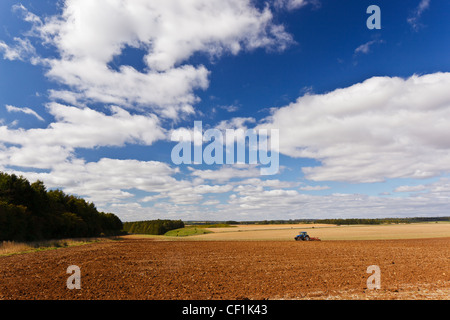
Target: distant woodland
{"type": "Point", "coordinates": [338, 221]}
{"type": "Point", "coordinates": [156, 227]}
{"type": "Point", "coordinates": [30, 212]}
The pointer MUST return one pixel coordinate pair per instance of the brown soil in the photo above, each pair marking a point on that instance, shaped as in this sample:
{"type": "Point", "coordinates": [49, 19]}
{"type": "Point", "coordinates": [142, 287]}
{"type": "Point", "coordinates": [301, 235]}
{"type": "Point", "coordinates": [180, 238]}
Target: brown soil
{"type": "Point", "coordinates": [149, 269]}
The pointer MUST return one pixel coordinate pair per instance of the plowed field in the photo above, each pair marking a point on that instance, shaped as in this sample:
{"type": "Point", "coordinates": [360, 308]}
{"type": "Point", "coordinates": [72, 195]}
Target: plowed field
{"type": "Point", "coordinates": [151, 269]}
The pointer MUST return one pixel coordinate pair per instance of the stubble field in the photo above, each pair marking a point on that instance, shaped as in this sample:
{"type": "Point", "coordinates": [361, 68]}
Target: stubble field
{"type": "Point", "coordinates": [286, 232]}
{"type": "Point", "coordinates": [151, 268]}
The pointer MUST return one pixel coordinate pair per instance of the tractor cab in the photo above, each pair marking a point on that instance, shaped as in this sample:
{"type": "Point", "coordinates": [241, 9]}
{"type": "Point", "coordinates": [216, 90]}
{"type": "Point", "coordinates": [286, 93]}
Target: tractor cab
{"type": "Point", "coordinates": [302, 236]}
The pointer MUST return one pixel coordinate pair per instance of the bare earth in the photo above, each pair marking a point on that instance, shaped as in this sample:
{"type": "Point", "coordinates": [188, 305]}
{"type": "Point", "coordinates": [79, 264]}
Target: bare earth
{"type": "Point", "coordinates": [153, 269]}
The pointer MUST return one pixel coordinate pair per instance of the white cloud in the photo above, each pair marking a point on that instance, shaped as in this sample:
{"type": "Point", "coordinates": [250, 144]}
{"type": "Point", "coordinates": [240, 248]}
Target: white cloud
{"type": "Point", "coordinates": [414, 18]}
{"type": "Point", "coordinates": [269, 183]}
{"type": "Point", "coordinates": [229, 108]}
{"type": "Point", "coordinates": [226, 173]}
{"type": "Point", "coordinates": [22, 50]}
{"type": "Point", "coordinates": [76, 128]}
{"type": "Point", "coordinates": [377, 129]}
{"type": "Point", "coordinates": [10, 108]}
{"type": "Point", "coordinates": [253, 202]}
{"type": "Point", "coordinates": [89, 34]}
{"type": "Point", "coordinates": [166, 93]}
{"type": "Point", "coordinates": [107, 180]}
{"type": "Point", "coordinates": [111, 185]}
{"type": "Point", "coordinates": [410, 188]}
{"type": "Point", "coordinates": [202, 189]}
{"type": "Point", "coordinates": [439, 189]}
{"type": "Point", "coordinates": [87, 128]}
{"type": "Point", "coordinates": [381, 128]}
{"type": "Point", "coordinates": [187, 193]}
{"type": "Point", "coordinates": [365, 47]}
{"type": "Point", "coordinates": [235, 123]}
{"type": "Point", "coordinates": [27, 15]}
{"type": "Point", "coordinates": [211, 203]}
{"type": "Point", "coordinates": [32, 155]}
{"type": "Point", "coordinates": [314, 188]}
{"type": "Point", "coordinates": [290, 4]}
{"type": "Point", "coordinates": [295, 205]}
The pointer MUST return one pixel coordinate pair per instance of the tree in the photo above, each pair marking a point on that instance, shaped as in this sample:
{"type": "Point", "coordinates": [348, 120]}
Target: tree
{"type": "Point", "coordinates": [30, 212]}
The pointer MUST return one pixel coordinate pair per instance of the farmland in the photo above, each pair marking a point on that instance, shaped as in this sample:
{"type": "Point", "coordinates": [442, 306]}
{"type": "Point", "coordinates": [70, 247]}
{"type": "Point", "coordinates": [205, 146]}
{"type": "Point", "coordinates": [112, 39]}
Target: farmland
{"type": "Point", "coordinates": [330, 232]}
{"type": "Point", "coordinates": [205, 267]}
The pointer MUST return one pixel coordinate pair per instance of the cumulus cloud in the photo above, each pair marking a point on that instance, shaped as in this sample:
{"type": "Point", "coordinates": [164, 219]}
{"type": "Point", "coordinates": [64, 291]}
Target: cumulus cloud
{"type": "Point", "coordinates": [235, 123]}
{"type": "Point", "coordinates": [106, 181]}
{"type": "Point", "coordinates": [292, 204]}
{"type": "Point", "coordinates": [384, 127]}
{"type": "Point", "coordinates": [75, 128]}
{"type": "Point", "coordinates": [253, 202]}
{"type": "Point", "coordinates": [314, 188]}
{"type": "Point", "coordinates": [82, 40]}
{"type": "Point", "coordinates": [269, 183]}
{"type": "Point", "coordinates": [226, 173]}
{"type": "Point", "coordinates": [439, 189]}
{"type": "Point", "coordinates": [410, 188]}
{"type": "Point", "coordinates": [111, 185]}
{"type": "Point", "coordinates": [88, 35]}
{"type": "Point", "coordinates": [367, 132]}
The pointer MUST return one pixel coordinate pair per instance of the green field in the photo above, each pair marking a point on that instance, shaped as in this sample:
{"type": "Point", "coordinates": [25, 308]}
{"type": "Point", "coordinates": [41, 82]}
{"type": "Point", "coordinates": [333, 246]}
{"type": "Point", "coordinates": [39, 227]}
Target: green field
{"type": "Point", "coordinates": [187, 231]}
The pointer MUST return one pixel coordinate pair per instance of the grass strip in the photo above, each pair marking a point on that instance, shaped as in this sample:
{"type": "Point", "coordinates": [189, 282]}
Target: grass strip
{"type": "Point", "coordinates": [8, 248]}
{"type": "Point", "coordinates": [186, 231]}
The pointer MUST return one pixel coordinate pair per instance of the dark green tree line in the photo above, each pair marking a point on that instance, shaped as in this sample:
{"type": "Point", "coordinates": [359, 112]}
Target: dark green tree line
{"type": "Point", "coordinates": [156, 227]}
{"type": "Point", "coordinates": [29, 212]}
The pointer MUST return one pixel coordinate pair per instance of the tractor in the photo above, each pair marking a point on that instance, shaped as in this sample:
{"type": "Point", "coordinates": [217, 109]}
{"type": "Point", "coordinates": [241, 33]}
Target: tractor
{"type": "Point", "coordinates": [305, 237]}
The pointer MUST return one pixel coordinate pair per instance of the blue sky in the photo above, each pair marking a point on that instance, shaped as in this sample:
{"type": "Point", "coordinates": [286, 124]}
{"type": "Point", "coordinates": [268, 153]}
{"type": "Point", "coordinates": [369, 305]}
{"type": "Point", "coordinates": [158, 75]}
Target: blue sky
{"type": "Point", "coordinates": [90, 93]}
